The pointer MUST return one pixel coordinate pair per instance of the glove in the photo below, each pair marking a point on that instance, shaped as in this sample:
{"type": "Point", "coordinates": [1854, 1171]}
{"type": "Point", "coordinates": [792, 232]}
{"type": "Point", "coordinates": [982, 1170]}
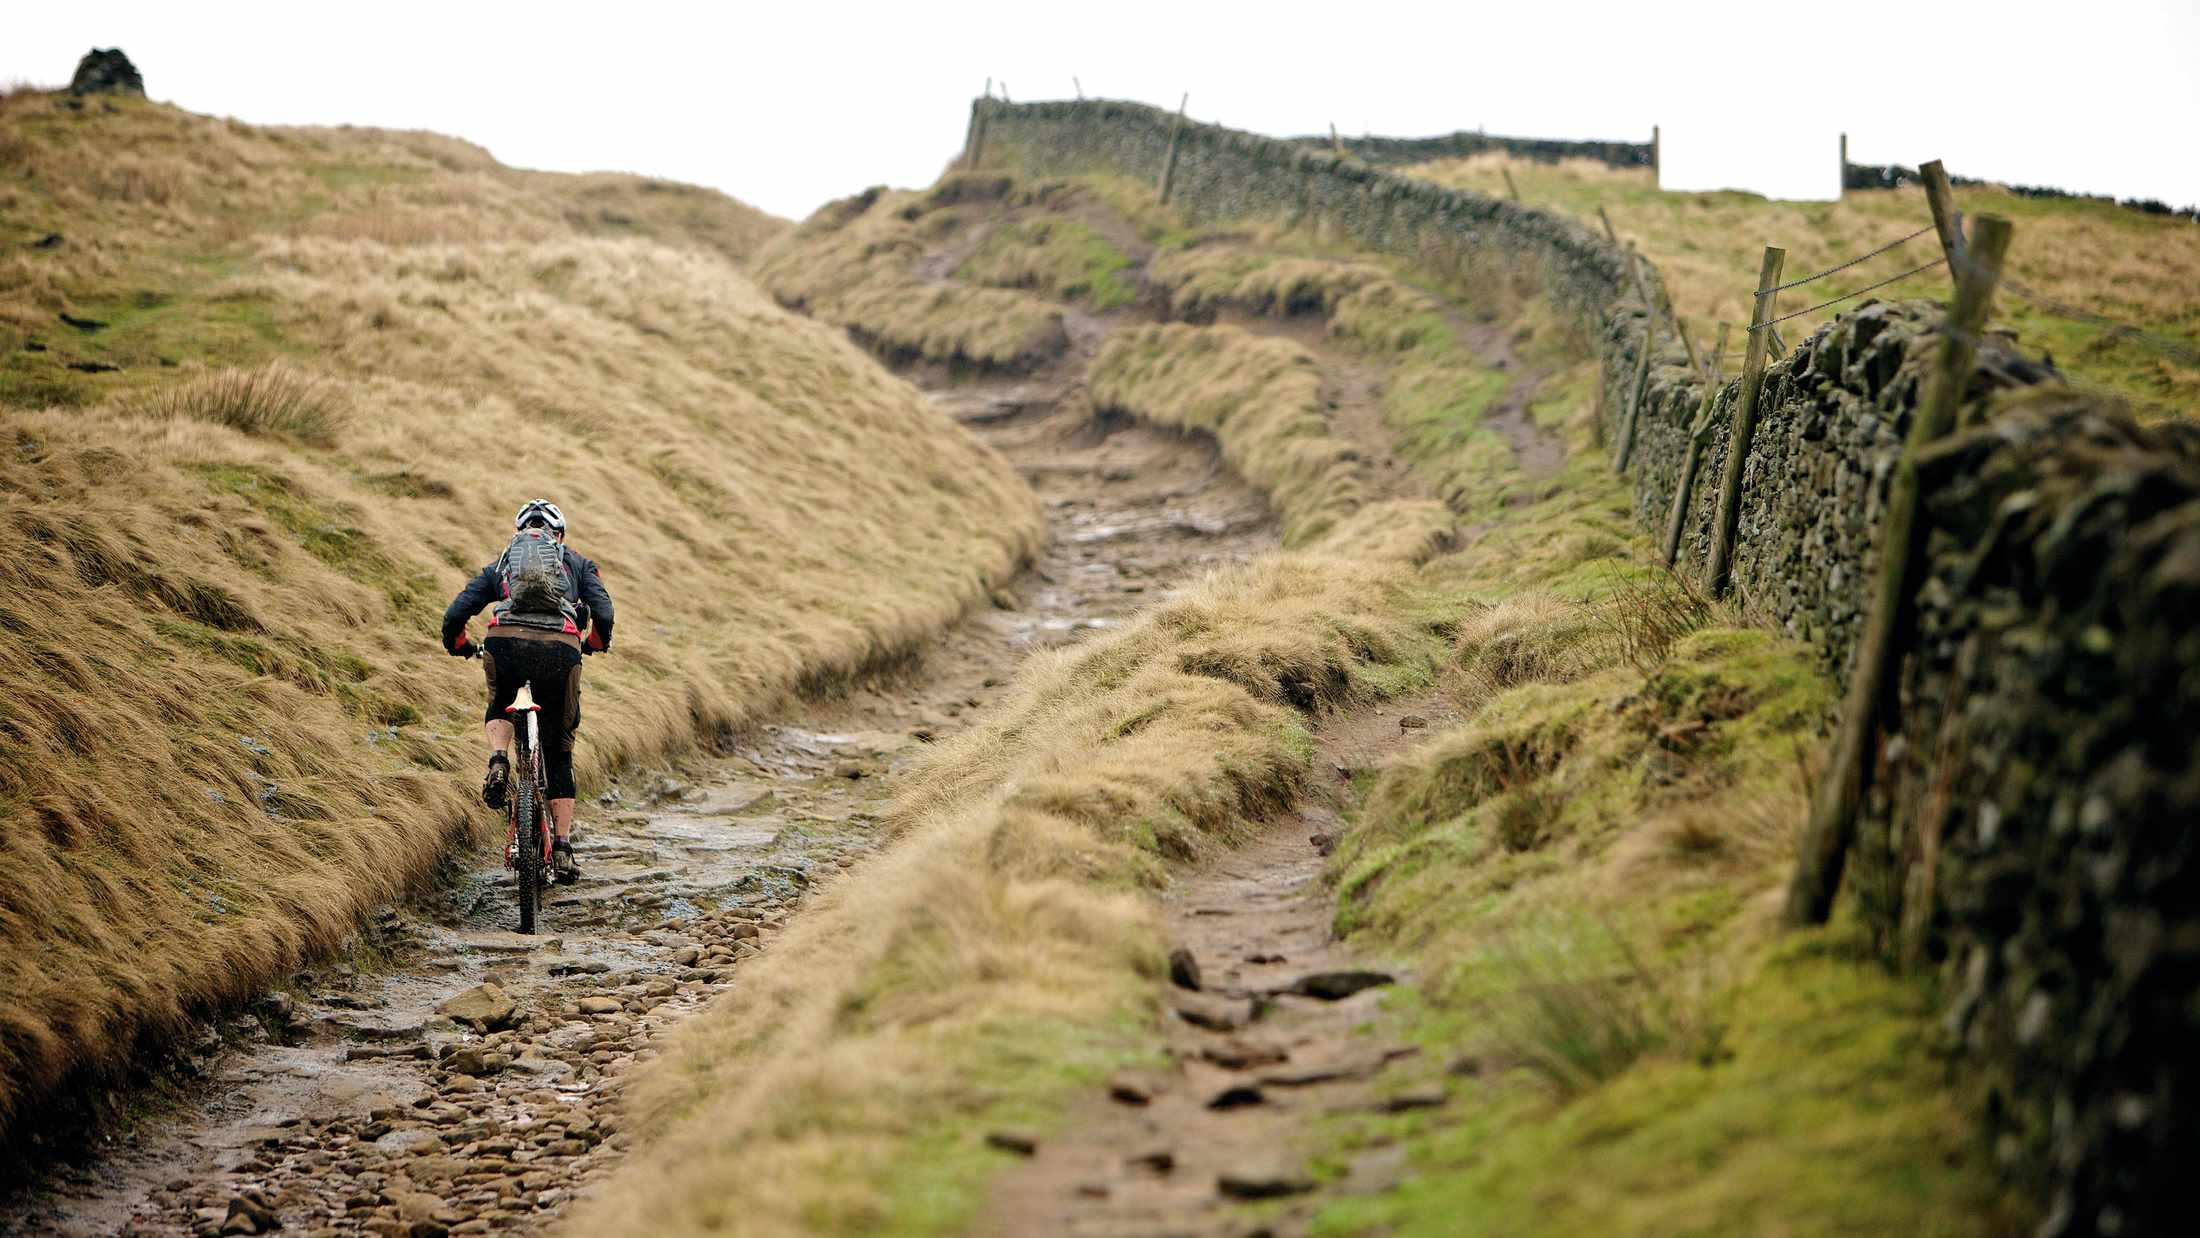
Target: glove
{"type": "Point", "coordinates": [463, 649]}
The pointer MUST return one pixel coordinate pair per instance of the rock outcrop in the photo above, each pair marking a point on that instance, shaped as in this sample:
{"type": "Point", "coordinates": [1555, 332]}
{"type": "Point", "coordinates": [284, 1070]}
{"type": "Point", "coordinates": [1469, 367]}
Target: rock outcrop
{"type": "Point", "coordinates": [106, 71]}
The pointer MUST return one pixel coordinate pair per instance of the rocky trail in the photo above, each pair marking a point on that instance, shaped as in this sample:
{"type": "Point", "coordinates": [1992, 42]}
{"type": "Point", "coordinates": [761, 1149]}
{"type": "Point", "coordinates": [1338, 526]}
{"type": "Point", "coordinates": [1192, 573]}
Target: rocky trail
{"type": "Point", "coordinates": [1271, 1024]}
{"type": "Point", "coordinates": [452, 1076]}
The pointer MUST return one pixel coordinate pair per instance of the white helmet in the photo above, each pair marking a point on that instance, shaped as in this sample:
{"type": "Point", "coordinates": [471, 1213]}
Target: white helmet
{"type": "Point", "coordinates": [542, 512]}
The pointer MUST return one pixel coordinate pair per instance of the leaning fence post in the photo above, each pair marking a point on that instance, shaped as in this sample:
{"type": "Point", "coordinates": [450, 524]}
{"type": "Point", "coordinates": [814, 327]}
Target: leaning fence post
{"type": "Point", "coordinates": [1626, 446]}
{"type": "Point", "coordinates": [1941, 197]}
{"type": "Point", "coordinates": [1692, 453]}
{"type": "Point", "coordinates": [1336, 144]}
{"type": "Point", "coordinates": [1510, 188]}
{"type": "Point", "coordinates": [1078, 86]}
{"type": "Point", "coordinates": [1168, 161]}
{"type": "Point", "coordinates": [1610, 233]}
{"type": "Point", "coordinates": [1728, 511]}
{"type": "Point", "coordinates": [1841, 791]}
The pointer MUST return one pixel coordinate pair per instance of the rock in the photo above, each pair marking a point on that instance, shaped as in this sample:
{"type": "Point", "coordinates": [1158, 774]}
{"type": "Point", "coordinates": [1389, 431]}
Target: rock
{"type": "Point", "coordinates": [1263, 1179]}
{"type": "Point", "coordinates": [1332, 986]}
{"type": "Point", "coordinates": [106, 71]}
{"type": "Point", "coordinates": [1414, 1098]}
{"type": "Point", "coordinates": [1323, 844]}
{"type": "Point", "coordinates": [1020, 1142]}
{"type": "Point", "coordinates": [1237, 1096]}
{"type": "Point", "coordinates": [1213, 1013]}
{"type": "Point", "coordinates": [1134, 1087]}
{"type": "Point", "coordinates": [486, 1007]}
{"type": "Point", "coordinates": [1183, 968]}
{"type": "Point", "coordinates": [686, 956]}
{"type": "Point", "coordinates": [1412, 722]}
{"type": "Point", "coordinates": [1236, 1054]}
{"type": "Point", "coordinates": [599, 1005]}
{"type": "Point", "coordinates": [412, 1141]}
{"type": "Point", "coordinates": [1159, 1160]}
{"type": "Point", "coordinates": [427, 1215]}
{"type": "Point", "coordinates": [250, 1212]}
{"type": "Point", "coordinates": [474, 1061]}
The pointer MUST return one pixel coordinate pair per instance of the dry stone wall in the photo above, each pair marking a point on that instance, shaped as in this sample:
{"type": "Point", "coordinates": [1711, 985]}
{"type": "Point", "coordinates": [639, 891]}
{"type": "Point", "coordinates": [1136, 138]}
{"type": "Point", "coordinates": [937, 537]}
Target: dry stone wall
{"type": "Point", "coordinates": [2036, 821]}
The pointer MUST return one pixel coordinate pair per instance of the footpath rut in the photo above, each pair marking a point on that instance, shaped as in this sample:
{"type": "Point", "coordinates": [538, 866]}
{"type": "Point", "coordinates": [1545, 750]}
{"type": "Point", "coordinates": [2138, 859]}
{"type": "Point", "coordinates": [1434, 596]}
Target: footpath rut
{"type": "Point", "coordinates": [455, 1077]}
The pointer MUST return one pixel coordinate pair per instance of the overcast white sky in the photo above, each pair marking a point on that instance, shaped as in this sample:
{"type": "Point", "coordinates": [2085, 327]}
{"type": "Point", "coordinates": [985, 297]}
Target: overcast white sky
{"type": "Point", "coordinates": [786, 105]}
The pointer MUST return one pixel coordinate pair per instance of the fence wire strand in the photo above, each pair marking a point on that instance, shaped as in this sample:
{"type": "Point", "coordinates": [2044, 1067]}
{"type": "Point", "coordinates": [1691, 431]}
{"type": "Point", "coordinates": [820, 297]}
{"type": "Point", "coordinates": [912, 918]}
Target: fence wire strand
{"type": "Point", "coordinates": [1892, 279]}
{"type": "Point", "coordinates": [1812, 279]}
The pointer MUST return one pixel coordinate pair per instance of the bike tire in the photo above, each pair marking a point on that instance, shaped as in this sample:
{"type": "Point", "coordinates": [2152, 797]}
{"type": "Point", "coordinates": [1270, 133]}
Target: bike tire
{"type": "Point", "coordinates": [527, 807]}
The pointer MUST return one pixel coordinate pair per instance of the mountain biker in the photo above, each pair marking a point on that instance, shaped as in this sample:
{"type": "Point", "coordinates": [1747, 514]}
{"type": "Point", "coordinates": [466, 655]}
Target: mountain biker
{"type": "Point", "coordinates": [542, 644]}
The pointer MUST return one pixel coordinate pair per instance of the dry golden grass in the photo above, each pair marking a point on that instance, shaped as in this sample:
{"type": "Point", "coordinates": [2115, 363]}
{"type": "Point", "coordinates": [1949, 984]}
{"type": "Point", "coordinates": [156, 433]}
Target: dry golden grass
{"type": "Point", "coordinates": [2095, 256]}
{"type": "Point", "coordinates": [1261, 400]}
{"type": "Point", "coordinates": [998, 948]}
{"type": "Point", "coordinates": [225, 727]}
{"type": "Point", "coordinates": [854, 264]}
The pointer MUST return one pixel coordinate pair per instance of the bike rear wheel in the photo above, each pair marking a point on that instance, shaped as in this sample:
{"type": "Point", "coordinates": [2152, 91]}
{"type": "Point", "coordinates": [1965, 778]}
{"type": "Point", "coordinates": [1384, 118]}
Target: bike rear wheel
{"type": "Point", "coordinates": [527, 822]}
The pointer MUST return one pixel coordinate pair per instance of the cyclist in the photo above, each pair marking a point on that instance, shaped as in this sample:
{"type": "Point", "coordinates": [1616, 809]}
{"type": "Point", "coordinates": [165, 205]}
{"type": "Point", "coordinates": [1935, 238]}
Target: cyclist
{"type": "Point", "coordinates": [549, 608]}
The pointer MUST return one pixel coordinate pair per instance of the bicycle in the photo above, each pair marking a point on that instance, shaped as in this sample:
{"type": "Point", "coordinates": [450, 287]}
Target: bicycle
{"type": "Point", "coordinates": [528, 842]}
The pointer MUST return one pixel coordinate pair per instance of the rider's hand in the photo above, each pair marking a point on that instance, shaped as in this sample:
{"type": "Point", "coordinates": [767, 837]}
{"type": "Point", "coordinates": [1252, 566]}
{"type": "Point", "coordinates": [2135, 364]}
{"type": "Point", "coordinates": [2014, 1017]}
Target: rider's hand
{"type": "Point", "coordinates": [464, 649]}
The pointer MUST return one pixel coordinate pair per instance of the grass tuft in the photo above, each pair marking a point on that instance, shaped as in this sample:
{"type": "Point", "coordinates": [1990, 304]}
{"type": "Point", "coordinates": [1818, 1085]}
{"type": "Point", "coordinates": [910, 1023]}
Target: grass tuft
{"type": "Point", "coordinates": [273, 399]}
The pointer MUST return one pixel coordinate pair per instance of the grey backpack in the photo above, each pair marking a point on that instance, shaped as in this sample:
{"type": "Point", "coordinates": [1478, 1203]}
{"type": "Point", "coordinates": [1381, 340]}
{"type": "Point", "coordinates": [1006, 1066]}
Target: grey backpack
{"type": "Point", "coordinates": [537, 587]}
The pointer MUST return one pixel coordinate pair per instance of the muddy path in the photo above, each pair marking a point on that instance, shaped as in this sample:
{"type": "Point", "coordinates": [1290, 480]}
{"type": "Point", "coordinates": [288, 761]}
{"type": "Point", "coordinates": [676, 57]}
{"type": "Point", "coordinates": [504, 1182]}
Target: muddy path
{"type": "Point", "coordinates": [460, 1078]}
{"type": "Point", "coordinates": [1270, 1025]}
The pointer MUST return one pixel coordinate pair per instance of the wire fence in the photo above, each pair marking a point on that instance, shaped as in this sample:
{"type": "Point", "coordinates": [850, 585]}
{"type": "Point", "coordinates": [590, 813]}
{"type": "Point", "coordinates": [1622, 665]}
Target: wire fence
{"type": "Point", "coordinates": [1766, 324]}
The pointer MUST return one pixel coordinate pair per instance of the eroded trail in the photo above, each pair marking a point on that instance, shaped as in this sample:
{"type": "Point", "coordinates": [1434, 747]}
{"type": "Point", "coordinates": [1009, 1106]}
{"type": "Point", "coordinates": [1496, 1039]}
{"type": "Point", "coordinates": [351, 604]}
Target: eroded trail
{"type": "Point", "coordinates": [459, 1078]}
{"type": "Point", "coordinates": [1271, 1024]}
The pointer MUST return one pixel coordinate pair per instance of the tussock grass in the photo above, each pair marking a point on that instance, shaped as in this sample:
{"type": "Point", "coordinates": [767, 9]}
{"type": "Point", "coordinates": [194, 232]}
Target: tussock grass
{"type": "Point", "coordinates": [854, 264]}
{"type": "Point", "coordinates": [1261, 400]}
{"type": "Point", "coordinates": [269, 399]}
{"type": "Point", "coordinates": [2096, 256]}
{"type": "Point", "coordinates": [225, 727]}
{"type": "Point", "coordinates": [997, 952]}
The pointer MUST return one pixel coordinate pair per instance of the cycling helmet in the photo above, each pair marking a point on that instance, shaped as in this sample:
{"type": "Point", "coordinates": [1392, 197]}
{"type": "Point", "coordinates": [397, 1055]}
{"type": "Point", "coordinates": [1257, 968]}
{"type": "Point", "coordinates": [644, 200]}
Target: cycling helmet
{"type": "Point", "coordinates": [542, 512]}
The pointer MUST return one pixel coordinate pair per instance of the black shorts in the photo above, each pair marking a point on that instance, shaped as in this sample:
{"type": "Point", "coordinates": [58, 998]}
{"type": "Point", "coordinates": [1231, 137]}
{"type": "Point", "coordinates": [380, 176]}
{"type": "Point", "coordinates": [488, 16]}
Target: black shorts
{"type": "Point", "coordinates": [554, 668]}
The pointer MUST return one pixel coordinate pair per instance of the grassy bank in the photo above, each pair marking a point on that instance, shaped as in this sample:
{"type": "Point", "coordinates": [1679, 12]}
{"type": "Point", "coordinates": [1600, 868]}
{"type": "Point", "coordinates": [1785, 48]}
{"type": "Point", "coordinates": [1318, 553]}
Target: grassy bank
{"type": "Point", "coordinates": [323, 368]}
{"type": "Point", "coordinates": [2097, 257]}
{"type": "Point", "coordinates": [1001, 951]}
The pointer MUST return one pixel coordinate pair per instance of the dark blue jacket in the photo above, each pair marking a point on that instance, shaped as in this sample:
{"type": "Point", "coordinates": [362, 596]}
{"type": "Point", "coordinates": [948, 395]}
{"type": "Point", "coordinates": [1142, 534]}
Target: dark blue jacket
{"type": "Point", "coordinates": [487, 588]}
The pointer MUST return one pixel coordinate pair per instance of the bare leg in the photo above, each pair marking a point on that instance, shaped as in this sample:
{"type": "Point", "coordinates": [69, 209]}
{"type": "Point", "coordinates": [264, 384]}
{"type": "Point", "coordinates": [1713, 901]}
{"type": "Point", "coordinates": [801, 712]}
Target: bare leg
{"type": "Point", "coordinates": [499, 734]}
{"type": "Point", "coordinates": [561, 816]}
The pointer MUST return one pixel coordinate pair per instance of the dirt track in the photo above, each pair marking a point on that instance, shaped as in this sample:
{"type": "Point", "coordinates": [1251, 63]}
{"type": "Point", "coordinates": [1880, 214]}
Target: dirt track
{"type": "Point", "coordinates": [378, 1104]}
{"type": "Point", "coordinates": [368, 1105]}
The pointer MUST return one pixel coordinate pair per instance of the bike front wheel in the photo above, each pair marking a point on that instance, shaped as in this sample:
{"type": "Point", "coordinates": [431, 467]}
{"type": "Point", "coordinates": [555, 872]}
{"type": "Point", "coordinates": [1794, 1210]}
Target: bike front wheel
{"type": "Point", "coordinates": [527, 829]}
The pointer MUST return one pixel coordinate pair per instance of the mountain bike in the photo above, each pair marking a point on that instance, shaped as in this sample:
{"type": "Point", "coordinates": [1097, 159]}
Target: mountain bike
{"type": "Point", "coordinates": [526, 799]}
{"type": "Point", "coordinates": [527, 847]}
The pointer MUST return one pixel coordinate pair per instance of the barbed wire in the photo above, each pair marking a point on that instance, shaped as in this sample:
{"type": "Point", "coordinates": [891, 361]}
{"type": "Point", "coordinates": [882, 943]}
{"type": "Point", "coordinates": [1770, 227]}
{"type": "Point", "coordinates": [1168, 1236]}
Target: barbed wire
{"type": "Point", "coordinates": [1811, 279]}
{"type": "Point", "coordinates": [1812, 309]}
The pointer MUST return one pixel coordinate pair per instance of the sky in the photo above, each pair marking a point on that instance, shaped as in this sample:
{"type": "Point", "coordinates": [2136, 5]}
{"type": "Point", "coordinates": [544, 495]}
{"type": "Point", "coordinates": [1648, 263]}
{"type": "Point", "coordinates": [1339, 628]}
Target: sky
{"type": "Point", "coordinates": [788, 105]}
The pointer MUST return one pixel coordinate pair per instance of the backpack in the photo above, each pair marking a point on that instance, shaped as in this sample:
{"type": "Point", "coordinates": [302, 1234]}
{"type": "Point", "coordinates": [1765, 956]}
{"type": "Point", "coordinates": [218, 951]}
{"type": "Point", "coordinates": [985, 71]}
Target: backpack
{"type": "Point", "coordinates": [537, 587]}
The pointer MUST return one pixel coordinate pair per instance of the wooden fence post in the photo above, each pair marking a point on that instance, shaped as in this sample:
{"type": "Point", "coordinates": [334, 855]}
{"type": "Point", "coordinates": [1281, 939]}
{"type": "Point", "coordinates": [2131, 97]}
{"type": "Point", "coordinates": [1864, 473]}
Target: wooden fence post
{"type": "Point", "coordinates": [1698, 432]}
{"type": "Point", "coordinates": [1841, 187]}
{"type": "Point", "coordinates": [1841, 791]}
{"type": "Point", "coordinates": [1078, 86]}
{"type": "Point", "coordinates": [1336, 144]}
{"type": "Point", "coordinates": [1657, 158]}
{"type": "Point", "coordinates": [1940, 195]}
{"type": "Point", "coordinates": [1510, 188]}
{"type": "Point", "coordinates": [1610, 233]}
{"type": "Point", "coordinates": [1168, 162]}
{"type": "Point", "coordinates": [1626, 446]}
{"type": "Point", "coordinates": [1728, 511]}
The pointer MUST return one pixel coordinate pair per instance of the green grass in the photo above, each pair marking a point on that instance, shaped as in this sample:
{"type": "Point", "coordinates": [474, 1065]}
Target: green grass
{"type": "Point", "coordinates": [1824, 1111]}
{"type": "Point", "coordinates": [1058, 257]}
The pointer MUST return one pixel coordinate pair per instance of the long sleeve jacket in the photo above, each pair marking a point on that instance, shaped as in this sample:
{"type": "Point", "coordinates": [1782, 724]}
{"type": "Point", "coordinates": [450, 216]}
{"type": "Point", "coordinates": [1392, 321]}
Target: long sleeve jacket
{"type": "Point", "coordinates": [487, 589]}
